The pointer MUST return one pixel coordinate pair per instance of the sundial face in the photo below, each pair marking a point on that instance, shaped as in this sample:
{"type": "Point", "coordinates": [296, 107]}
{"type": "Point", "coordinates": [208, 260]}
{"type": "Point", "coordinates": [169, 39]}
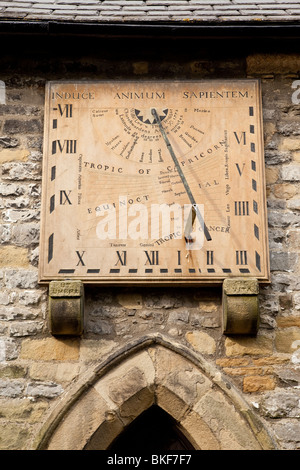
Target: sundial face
{"type": "Point", "coordinates": [153, 182]}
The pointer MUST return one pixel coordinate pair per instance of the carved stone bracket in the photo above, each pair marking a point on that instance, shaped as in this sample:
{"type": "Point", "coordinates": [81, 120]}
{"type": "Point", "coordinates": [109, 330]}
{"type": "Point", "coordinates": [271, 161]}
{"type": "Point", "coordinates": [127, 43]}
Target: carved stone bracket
{"type": "Point", "coordinates": [66, 307]}
{"type": "Point", "coordinates": [240, 306]}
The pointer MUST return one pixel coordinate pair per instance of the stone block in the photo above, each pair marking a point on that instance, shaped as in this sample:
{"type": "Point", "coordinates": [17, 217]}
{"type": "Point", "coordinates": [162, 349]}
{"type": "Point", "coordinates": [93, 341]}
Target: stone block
{"type": "Point", "coordinates": [255, 384]}
{"type": "Point", "coordinates": [290, 172]}
{"type": "Point", "coordinates": [253, 346]}
{"type": "Point", "coordinates": [21, 278]}
{"type": "Point", "coordinates": [201, 342]}
{"type": "Point", "coordinates": [13, 155]}
{"type": "Point", "coordinates": [130, 300]}
{"type": "Point", "coordinates": [273, 63]}
{"type": "Point", "coordinates": [195, 426]}
{"type": "Point", "coordinates": [50, 349]}
{"type": "Point", "coordinates": [284, 339]}
{"type": "Point", "coordinates": [44, 390]}
{"type": "Point", "coordinates": [15, 437]}
{"type": "Point", "coordinates": [13, 256]}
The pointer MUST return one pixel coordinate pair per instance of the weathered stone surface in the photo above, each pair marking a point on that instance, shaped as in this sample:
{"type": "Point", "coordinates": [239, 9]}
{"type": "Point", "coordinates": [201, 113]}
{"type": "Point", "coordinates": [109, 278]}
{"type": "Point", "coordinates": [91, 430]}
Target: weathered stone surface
{"type": "Point", "coordinates": [13, 256]}
{"type": "Point", "coordinates": [131, 301]}
{"type": "Point", "coordinates": [256, 384]}
{"type": "Point", "coordinates": [239, 346]}
{"type": "Point", "coordinates": [201, 342]}
{"type": "Point", "coordinates": [285, 339]}
{"type": "Point", "coordinates": [44, 390]}
{"type": "Point", "coordinates": [50, 349]}
{"type": "Point", "coordinates": [15, 436]}
{"type": "Point", "coordinates": [232, 433]}
{"type": "Point", "coordinates": [59, 372]}
{"type": "Point", "coordinates": [289, 433]}
{"type": "Point", "coordinates": [23, 279]}
{"type": "Point", "coordinates": [264, 63]}
{"type": "Point", "coordinates": [11, 388]}
{"type": "Point", "coordinates": [282, 404]}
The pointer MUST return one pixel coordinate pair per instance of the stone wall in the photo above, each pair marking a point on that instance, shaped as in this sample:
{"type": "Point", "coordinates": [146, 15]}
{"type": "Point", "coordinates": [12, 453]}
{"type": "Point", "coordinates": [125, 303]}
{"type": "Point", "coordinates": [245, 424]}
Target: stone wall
{"type": "Point", "coordinates": [36, 369]}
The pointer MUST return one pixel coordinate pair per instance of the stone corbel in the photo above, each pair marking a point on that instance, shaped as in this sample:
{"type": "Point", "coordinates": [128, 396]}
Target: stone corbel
{"type": "Point", "coordinates": [66, 307]}
{"type": "Point", "coordinates": [240, 306]}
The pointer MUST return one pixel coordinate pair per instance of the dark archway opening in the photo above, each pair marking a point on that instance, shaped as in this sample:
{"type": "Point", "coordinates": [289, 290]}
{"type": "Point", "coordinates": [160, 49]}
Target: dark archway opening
{"type": "Point", "coordinates": [153, 430]}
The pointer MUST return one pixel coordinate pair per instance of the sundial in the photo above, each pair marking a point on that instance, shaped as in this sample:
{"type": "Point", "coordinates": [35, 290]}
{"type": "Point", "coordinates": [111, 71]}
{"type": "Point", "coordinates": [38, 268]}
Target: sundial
{"type": "Point", "coordinates": [153, 182]}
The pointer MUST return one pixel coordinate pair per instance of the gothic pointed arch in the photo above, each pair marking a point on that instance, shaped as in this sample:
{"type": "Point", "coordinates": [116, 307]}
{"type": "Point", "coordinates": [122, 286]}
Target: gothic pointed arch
{"type": "Point", "coordinates": [209, 411]}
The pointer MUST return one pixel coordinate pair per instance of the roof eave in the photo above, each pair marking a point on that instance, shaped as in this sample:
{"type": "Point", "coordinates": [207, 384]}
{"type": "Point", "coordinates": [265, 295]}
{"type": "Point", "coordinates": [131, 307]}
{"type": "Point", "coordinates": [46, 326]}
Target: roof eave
{"type": "Point", "coordinates": [253, 28]}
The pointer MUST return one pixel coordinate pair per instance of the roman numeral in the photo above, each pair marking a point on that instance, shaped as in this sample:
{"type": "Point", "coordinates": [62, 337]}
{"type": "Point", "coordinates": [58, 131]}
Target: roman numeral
{"type": "Point", "coordinates": [122, 258]}
{"type": "Point", "coordinates": [240, 170]}
{"type": "Point", "coordinates": [64, 197]}
{"type": "Point", "coordinates": [209, 257]}
{"type": "Point", "coordinates": [241, 257]}
{"type": "Point", "coordinates": [68, 109]}
{"type": "Point", "coordinates": [68, 146]}
{"type": "Point", "coordinates": [152, 258]}
{"type": "Point", "coordinates": [80, 256]}
{"type": "Point", "coordinates": [241, 208]}
{"type": "Point", "coordinates": [241, 138]}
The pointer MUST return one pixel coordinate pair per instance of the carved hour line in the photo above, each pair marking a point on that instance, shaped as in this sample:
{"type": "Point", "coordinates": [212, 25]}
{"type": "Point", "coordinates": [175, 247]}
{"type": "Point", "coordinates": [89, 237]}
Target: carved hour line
{"type": "Point", "coordinates": [93, 271]}
{"type": "Point", "coordinates": [251, 111]}
{"type": "Point", "coordinates": [52, 203]}
{"type": "Point", "coordinates": [54, 124]}
{"type": "Point", "coordinates": [257, 261]}
{"type": "Point", "coordinates": [253, 165]}
{"type": "Point", "coordinates": [255, 207]}
{"type": "Point", "coordinates": [254, 185]}
{"type": "Point", "coordinates": [252, 129]}
{"type": "Point", "coordinates": [252, 146]}
{"type": "Point", "coordinates": [50, 247]}
{"type": "Point", "coordinates": [256, 231]}
{"type": "Point", "coordinates": [66, 271]}
{"type": "Point", "coordinates": [53, 173]}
